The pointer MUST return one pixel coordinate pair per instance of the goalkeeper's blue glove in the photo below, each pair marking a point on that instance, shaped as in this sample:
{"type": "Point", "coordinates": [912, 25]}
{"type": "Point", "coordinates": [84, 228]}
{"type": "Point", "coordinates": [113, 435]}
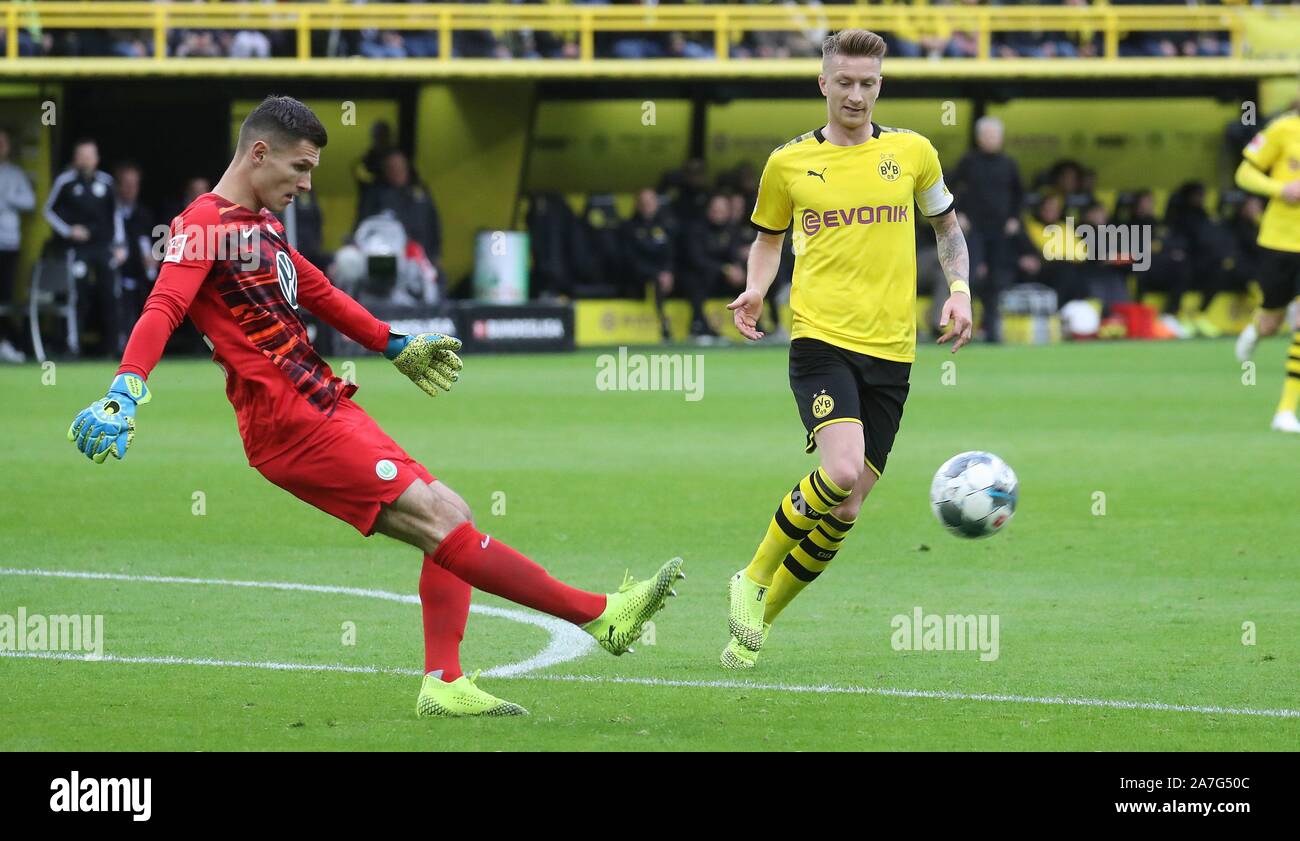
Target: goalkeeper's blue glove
{"type": "Point", "coordinates": [429, 359]}
{"type": "Point", "coordinates": [108, 425]}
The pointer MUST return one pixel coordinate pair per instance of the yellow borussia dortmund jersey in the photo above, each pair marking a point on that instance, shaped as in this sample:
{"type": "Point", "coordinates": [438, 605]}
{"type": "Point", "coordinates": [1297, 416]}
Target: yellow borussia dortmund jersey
{"type": "Point", "coordinates": [1276, 151]}
{"type": "Point", "coordinates": [853, 234]}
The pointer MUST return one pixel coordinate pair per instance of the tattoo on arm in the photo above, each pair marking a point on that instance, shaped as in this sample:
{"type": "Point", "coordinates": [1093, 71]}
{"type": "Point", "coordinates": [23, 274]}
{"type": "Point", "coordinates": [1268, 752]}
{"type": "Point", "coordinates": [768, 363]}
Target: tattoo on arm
{"type": "Point", "coordinates": [953, 255]}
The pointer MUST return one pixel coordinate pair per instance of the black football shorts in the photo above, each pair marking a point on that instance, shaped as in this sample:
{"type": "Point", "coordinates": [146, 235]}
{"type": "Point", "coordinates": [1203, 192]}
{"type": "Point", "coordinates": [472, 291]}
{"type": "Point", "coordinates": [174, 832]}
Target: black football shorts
{"type": "Point", "coordinates": [1279, 277]}
{"type": "Point", "coordinates": [834, 385]}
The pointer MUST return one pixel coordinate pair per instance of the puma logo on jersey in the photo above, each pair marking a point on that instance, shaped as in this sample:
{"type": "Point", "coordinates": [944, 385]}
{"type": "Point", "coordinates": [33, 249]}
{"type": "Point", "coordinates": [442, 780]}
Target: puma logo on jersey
{"type": "Point", "coordinates": [821, 175]}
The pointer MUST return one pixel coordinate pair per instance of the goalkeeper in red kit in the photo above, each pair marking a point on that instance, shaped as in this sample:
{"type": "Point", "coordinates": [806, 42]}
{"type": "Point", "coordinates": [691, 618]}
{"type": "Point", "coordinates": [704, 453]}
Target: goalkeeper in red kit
{"type": "Point", "coordinates": [229, 268]}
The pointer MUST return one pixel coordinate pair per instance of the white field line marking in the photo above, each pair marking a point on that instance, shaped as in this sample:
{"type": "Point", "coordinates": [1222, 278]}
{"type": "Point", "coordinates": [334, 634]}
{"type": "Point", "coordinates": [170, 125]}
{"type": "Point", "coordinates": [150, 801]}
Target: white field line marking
{"type": "Point", "coordinates": [825, 689]}
{"type": "Point", "coordinates": [930, 694]}
{"type": "Point", "coordinates": [207, 661]}
{"type": "Point", "coordinates": [566, 641]}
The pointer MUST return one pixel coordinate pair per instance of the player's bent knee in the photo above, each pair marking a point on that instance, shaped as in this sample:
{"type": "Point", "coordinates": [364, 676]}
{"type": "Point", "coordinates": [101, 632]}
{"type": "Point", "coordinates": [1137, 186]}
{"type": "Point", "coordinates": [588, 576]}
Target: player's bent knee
{"type": "Point", "coordinates": [847, 511]}
{"type": "Point", "coordinates": [445, 517]}
{"type": "Point", "coordinates": [845, 473]}
{"type": "Point", "coordinates": [447, 495]}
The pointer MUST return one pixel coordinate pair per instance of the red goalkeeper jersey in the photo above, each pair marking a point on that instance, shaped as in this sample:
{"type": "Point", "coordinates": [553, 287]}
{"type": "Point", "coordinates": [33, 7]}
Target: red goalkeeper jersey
{"type": "Point", "coordinates": [241, 283]}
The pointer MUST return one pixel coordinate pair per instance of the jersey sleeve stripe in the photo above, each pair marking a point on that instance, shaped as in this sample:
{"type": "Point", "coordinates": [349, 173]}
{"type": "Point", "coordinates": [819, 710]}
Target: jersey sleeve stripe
{"type": "Point", "coordinates": [952, 205]}
{"type": "Point", "coordinates": [766, 230]}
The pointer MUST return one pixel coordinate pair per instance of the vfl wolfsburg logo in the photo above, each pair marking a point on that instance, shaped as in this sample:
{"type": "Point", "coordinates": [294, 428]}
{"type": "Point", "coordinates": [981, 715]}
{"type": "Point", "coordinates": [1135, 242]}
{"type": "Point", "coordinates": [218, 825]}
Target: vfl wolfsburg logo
{"type": "Point", "coordinates": [823, 405]}
{"type": "Point", "coordinates": [386, 470]}
{"type": "Point", "coordinates": [288, 275]}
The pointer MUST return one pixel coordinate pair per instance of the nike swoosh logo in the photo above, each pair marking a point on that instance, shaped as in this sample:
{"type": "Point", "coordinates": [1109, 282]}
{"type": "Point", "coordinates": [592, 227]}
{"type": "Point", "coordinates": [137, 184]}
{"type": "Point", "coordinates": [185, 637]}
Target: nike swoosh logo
{"type": "Point", "coordinates": [486, 538]}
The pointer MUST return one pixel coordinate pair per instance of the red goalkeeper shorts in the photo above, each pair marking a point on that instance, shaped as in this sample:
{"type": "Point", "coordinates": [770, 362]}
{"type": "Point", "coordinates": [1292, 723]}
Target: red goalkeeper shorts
{"type": "Point", "coordinates": [348, 467]}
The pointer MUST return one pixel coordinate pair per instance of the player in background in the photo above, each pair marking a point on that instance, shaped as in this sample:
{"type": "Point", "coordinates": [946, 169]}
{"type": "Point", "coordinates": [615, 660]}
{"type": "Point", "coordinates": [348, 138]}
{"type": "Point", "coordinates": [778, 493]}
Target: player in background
{"type": "Point", "coordinates": [229, 268]}
{"type": "Point", "coordinates": [1272, 168]}
{"type": "Point", "coordinates": [849, 188]}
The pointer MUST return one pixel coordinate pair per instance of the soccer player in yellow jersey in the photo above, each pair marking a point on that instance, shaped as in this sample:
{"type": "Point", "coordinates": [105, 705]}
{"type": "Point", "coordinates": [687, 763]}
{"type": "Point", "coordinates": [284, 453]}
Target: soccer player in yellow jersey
{"type": "Point", "coordinates": [848, 188]}
{"type": "Point", "coordinates": [1272, 168]}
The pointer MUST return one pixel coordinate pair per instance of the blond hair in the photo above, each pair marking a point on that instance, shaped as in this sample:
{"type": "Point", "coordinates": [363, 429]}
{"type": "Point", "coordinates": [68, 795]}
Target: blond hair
{"type": "Point", "coordinates": [858, 43]}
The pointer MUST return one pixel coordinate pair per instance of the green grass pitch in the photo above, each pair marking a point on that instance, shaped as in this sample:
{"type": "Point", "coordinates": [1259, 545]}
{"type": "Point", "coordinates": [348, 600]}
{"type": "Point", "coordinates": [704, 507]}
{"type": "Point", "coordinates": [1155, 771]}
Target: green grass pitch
{"type": "Point", "coordinates": [1144, 604]}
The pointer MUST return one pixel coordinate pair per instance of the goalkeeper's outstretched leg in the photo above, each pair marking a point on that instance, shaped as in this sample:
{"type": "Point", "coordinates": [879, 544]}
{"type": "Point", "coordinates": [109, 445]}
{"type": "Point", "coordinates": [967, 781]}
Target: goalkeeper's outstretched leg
{"type": "Point", "coordinates": [433, 518]}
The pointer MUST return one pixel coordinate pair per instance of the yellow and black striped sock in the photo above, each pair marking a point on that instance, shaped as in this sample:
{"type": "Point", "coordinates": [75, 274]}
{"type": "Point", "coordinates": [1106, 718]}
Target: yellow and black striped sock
{"type": "Point", "coordinates": [798, 513]}
{"type": "Point", "coordinates": [804, 563]}
{"type": "Point", "coordinates": [1291, 385]}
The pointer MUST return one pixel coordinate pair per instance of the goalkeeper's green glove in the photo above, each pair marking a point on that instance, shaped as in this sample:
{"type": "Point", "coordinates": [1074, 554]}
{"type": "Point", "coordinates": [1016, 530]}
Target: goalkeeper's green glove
{"type": "Point", "coordinates": [428, 359]}
{"type": "Point", "coordinates": [108, 425]}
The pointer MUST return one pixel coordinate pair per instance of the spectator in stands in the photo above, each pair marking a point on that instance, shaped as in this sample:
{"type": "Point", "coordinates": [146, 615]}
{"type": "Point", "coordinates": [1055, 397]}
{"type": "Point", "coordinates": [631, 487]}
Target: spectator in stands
{"type": "Point", "coordinates": [303, 225]}
{"type": "Point", "coordinates": [1038, 43]}
{"type": "Point", "coordinates": [648, 242]}
{"type": "Point", "coordinates": [369, 169]}
{"type": "Point", "coordinates": [197, 43]}
{"type": "Point", "coordinates": [248, 43]}
{"type": "Point", "coordinates": [1136, 208]}
{"type": "Point", "coordinates": [131, 45]}
{"type": "Point", "coordinates": [1167, 274]}
{"type": "Point", "coordinates": [689, 188]}
{"type": "Point", "coordinates": [1045, 254]}
{"type": "Point", "coordinates": [1104, 274]}
{"type": "Point", "coordinates": [598, 258]}
{"type": "Point", "coordinates": [959, 44]}
{"type": "Point", "coordinates": [139, 269]}
{"type": "Point", "coordinates": [714, 260]}
{"type": "Point", "coordinates": [382, 44]}
{"type": "Point", "coordinates": [1170, 44]}
{"type": "Point", "coordinates": [742, 181]}
{"type": "Point", "coordinates": [552, 244]}
{"type": "Point", "coordinates": [1191, 227]}
{"type": "Point", "coordinates": [82, 211]}
{"type": "Point", "coordinates": [1067, 178]}
{"type": "Point", "coordinates": [987, 187]}
{"type": "Point", "coordinates": [407, 201]}
{"type": "Point", "coordinates": [194, 187]}
{"type": "Point", "coordinates": [31, 40]}
{"type": "Point", "coordinates": [1244, 225]}
{"type": "Point", "coordinates": [1087, 195]}
{"type": "Point", "coordinates": [16, 197]}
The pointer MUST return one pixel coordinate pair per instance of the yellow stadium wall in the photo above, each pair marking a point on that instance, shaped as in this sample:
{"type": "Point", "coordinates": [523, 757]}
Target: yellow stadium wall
{"type": "Point", "coordinates": [615, 146]}
{"type": "Point", "coordinates": [21, 111]}
{"type": "Point", "coordinates": [471, 143]}
{"type": "Point", "coordinates": [1132, 143]}
{"type": "Point", "coordinates": [748, 130]}
{"type": "Point", "coordinates": [610, 323]}
{"type": "Point", "coordinates": [333, 183]}
{"type": "Point", "coordinates": [1276, 95]}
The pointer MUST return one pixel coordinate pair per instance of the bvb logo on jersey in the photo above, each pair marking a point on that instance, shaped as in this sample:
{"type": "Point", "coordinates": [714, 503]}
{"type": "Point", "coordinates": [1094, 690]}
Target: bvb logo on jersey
{"type": "Point", "coordinates": [823, 405]}
{"type": "Point", "coordinates": [889, 168]}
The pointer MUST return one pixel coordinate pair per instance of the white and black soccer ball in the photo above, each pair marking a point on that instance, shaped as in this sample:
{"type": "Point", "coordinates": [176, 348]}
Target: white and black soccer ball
{"type": "Point", "coordinates": [974, 494]}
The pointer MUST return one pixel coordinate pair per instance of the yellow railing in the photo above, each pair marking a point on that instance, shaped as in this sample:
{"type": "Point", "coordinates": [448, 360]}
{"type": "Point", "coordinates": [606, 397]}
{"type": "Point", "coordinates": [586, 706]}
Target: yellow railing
{"type": "Point", "coordinates": [726, 23]}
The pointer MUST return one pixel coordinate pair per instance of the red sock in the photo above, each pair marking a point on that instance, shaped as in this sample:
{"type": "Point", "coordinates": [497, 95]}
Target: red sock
{"type": "Point", "coordinates": [444, 601]}
{"type": "Point", "coordinates": [493, 567]}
